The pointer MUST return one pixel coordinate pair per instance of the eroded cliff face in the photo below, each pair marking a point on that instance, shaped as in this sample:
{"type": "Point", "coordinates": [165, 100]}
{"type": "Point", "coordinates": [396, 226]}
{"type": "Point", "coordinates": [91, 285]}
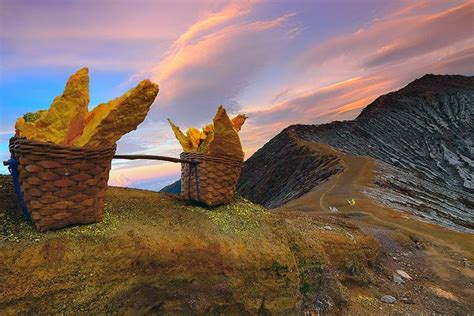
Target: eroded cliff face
{"type": "Point", "coordinates": [423, 134]}
{"type": "Point", "coordinates": [284, 169]}
{"type": "Point", "coordinates": [426, 128]}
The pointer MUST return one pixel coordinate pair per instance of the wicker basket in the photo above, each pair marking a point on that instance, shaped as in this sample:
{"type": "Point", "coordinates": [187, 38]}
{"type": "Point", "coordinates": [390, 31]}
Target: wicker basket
{"type": "Point", "coordinates": [62, 185]}
{"type": "Point", "coordinates": [211, 180]}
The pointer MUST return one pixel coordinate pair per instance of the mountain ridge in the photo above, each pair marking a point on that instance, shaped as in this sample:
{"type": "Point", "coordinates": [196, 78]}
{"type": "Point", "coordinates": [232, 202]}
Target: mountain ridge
{"type": "Point", "coordinates": [422, 132]}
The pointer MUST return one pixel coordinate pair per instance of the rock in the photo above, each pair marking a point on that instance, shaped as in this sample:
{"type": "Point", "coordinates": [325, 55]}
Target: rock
{"type": "Point", "coordinates": [397, 279]}
{"type": "Point", "coordinates": [273, 165]}
{"type": "Point", "coordinates": [108, 122]}
{"type": "Point", "coordinates": [443, 293]}
{"type": "Point", "coordinates": [407, 300]}
{"type": "Point", "coordinates": [404, 275]}
{"type": "Point", "coordinates": [332, 209]}
{"type": "Point", "coordinates": [70, 107]}
{"type": "Point", "coordinates": [226, 139]}
{"type": "Point", "coordinates": [328, 228]}
{"type": "Point", "coordinates": [388, 299]}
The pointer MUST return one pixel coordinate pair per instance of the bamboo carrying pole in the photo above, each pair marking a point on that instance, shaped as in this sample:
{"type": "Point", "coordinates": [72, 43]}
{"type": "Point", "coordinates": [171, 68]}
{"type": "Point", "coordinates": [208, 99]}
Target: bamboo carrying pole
{"type": "Point", "coordinates": [152, 157]}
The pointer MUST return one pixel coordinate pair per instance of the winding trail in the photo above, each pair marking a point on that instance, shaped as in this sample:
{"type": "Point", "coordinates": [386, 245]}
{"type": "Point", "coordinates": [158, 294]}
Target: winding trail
{"type": "Point", "coordinates": [394, 230]}
{"type": "Point", "coordinates": [333, 185]}
{"type": "Point", "coordinates": [350, 183]}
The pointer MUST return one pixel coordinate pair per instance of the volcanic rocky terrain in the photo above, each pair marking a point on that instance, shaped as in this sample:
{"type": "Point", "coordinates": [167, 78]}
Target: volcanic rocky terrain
{"type": "Point", "coordinates": [420, 137]}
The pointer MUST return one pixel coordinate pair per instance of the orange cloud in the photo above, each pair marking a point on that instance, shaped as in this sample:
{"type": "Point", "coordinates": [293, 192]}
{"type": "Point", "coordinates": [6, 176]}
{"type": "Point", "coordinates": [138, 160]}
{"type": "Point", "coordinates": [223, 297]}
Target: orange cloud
{"type": "Point", "coordinates": [177, 57]}
{"type": "Point", "coordinates": [212, 62]}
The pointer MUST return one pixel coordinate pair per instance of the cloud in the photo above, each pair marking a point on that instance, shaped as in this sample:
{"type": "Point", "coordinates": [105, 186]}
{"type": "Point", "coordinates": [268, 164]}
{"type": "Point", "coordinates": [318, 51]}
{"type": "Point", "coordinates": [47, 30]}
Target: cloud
{"type": "Point", "coordinates": [209, 66]}
{"type": "Point", "coordinates": [119, 180]}
{"type": "Point", "coordinates": [218, 57]}
{"type": "Point", "coordinates": [133, 175]}
{"type": "Point", "coordinates": [397, 37]}
{"type": "Point", "coordinates": [307, 107]}
{"type": "Point", "coordinates": [457, 63]}
{"type": "Point", "coordinates": [107, 35]}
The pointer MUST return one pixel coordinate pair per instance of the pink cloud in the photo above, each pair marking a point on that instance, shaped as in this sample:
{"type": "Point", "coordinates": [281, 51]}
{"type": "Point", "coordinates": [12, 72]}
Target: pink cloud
{"type": "Point", "coordinates": [213, 62]}
{"type": "Point", "coordinates": [133, 175]}
{"type": "Point", "coordinates": [397, 37]}
{"type": "Point", "coordinates": [104, 35]}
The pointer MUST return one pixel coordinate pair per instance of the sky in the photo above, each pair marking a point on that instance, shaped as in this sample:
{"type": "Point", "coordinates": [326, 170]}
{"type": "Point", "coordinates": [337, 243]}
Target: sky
{"type": "Point", "coordinates": [280, 62]}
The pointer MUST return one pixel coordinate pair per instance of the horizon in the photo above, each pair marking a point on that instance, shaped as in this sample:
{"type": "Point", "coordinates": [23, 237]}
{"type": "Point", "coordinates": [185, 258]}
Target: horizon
{"type": "Point", "coordinates": [279, 63]}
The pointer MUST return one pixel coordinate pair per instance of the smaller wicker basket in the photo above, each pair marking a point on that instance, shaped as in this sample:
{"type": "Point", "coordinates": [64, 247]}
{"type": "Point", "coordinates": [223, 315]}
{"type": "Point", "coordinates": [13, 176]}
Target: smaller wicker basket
{"type": "Point", "coordinates": [211, 180]}
{"type": "Point", "coordinates": [62, 185]}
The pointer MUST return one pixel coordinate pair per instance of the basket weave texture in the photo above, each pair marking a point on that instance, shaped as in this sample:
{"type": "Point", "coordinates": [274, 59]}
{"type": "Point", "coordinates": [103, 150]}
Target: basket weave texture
{"type": "Point", "coordinates": [217, 178]}
{"type": "Point", "coordinates": [62, 185]}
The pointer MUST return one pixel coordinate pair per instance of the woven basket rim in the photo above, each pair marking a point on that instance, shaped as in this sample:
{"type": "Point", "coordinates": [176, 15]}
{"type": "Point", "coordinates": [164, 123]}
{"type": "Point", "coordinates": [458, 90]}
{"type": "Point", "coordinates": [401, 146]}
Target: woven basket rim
{"type": "Point", "coordinates": [23, 140]}
{"type": "Point", "coordinates": [220, 157]}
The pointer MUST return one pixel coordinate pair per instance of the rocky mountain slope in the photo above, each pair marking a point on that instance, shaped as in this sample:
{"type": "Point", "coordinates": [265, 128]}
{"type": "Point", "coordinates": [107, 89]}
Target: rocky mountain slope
{"type": "Point", "coordinates": [422, 136]}
{"type": "Point", "coordinates": [285, 169]}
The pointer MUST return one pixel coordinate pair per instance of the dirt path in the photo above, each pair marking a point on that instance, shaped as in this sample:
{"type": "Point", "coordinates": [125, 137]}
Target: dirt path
{"type": "Point", "coordinates": [440, 265]}
{"type": "Point", "coordinates": [333, 185]}
{"type": "Point", "coordinates": [350, 183]}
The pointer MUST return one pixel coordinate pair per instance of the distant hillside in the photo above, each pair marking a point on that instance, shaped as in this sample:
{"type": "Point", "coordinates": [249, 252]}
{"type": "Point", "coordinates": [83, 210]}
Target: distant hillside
{"type": "Point", "coordinates": [284, 169]}
{"type": "Point", "coordinates": [173, 188]}
{"type": "Point", "coordinates": [422, 136]}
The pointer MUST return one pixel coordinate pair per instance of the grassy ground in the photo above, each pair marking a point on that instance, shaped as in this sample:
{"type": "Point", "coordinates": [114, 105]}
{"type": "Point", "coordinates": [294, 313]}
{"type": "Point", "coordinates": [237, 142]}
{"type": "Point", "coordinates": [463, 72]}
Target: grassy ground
{"type": "Point", "coordinates": [156, 253]}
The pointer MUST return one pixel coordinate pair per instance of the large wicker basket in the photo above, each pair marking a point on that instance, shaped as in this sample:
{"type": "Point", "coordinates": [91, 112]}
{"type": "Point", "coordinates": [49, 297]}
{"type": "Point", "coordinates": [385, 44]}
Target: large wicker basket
{"type": "Point", "coordinates": [61, 185]}
{"type": "Point", "coordinates": [211, 179]}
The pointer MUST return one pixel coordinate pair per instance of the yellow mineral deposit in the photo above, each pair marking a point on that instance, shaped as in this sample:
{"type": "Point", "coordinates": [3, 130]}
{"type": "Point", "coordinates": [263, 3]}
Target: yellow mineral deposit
{"type": "Point", "coordinates": [65, 118]}
{"type": "Point", "coordinates": [20, 122]}
{"type": "Point", "coordinates": [194, 136]}
{"type": "Point", "coordinates": [67, 121]}
{"type": "Point", "coordinates": [219, 138]}
{"type": "Point", "coordinates": [183, 139]}
{"type": "Point", "coordinates": [110, 121]}
{"type": "Point", "coordinates": [226, 139]}
{"type": "Point", "coordinates": [238, 121]}
{"type": "Point", "coordinates": [207, 135]}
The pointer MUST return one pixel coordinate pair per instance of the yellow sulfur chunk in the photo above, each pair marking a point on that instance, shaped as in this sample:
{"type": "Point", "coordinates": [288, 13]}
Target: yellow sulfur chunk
{"type": "Point", "coordinates": [208, 128]}
{"type": "Point", "coordinates": [18, 125]}
{"type": "Point", "coordinates": [33, 116]}
{"type": "Point", "coordinates": [238, 121]}
{"type": "Point", "coordinates": [183, 139]}
{"type": "Point", "coordinates": [206, 139]}
{"type": "Point", "coordinates": [219, 138]}
{"type": "Point", "coordinates": [64, 119]}
{"type": "Point", "coordinates": [207, 136]}
{"type": "Point", "coordinates": [226, 139]}
{"type": "Point", "coordinates": [107, 123]}
{"type": "Point", "coordinates": [194, 137]}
